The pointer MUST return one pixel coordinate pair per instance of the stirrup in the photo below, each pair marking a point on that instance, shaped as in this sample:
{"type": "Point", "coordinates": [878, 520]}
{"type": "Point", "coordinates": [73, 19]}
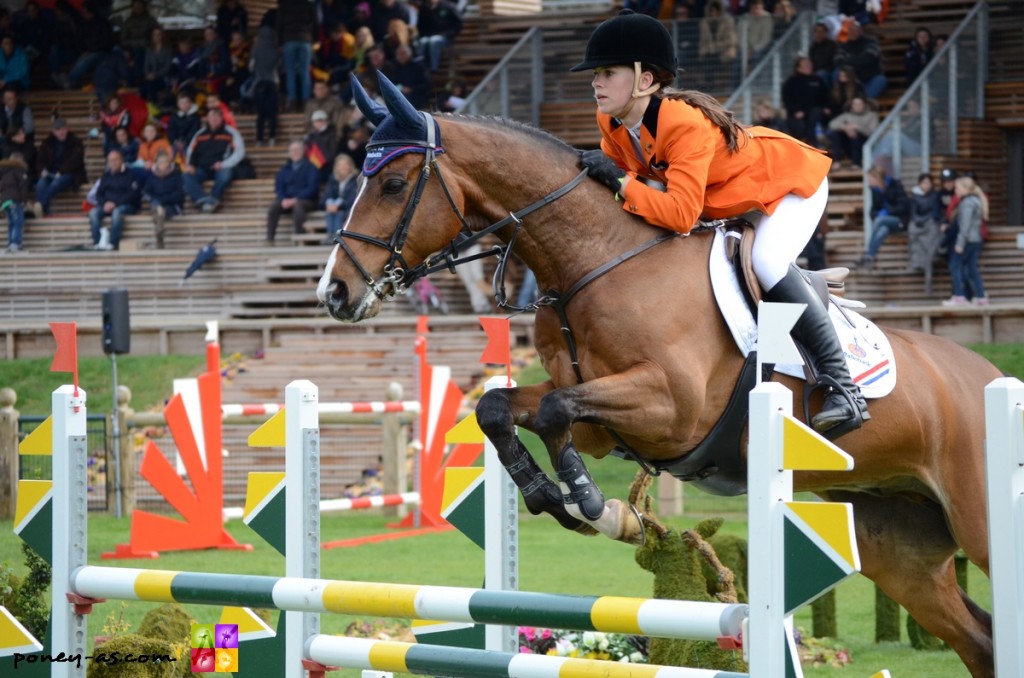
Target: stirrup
{"type": "Point", "coordinates": [854, 422]}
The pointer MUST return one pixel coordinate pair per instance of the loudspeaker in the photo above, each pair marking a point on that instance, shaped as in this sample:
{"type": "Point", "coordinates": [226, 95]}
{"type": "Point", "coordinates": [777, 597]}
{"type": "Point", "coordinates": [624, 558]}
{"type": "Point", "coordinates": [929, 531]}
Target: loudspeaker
{"type": "Point", "coordinates": [117, 336]}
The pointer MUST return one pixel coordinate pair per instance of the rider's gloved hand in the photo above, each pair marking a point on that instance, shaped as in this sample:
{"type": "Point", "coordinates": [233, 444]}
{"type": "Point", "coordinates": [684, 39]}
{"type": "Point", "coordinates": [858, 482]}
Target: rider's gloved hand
{"type": "Point", "coordinates": [599, 166]}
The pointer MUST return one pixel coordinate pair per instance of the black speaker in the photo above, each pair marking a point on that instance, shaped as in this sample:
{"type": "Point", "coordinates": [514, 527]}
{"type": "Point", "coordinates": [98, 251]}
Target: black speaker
{"type": "Point", "coordinates": [117, 335]}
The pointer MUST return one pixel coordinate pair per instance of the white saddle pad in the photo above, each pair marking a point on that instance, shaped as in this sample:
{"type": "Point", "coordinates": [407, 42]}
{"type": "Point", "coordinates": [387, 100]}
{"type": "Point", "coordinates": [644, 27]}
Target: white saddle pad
{"type": "Point", "coordinates": [867, 349]}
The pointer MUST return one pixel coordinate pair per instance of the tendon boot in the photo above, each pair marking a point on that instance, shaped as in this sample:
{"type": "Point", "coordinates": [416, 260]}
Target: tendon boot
{"type": "Point", "coordinates": [844, 409]}
{"type": "Point", "coordinates": [578, 487]}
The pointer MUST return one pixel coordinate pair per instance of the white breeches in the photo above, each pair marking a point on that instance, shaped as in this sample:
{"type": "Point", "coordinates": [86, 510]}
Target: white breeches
{"type": "Point", "coordinates": [780, 237]}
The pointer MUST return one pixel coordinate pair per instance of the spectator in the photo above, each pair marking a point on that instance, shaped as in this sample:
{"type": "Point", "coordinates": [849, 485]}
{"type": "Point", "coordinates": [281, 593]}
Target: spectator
{"type": "Point", "coordinates": [398, 35]}
{"type": "Point", "coordinates": [863, 53]}
{"type": "Point", "coordinates": [184, 66]}
{"type": "Point", "coordinates": [766, 115]}
{"type": "Point", "coordinates": [238, 67]}
{"type": "Point", "coordinates": [411, 76]}
{"type": "Point", "coordinates": [919, 53]}
{"type": "Point", "coordinates": [804, 95]}
{"type": "Point", "coordinates": [60, 165]}
{"type": "Point", "coordinates": [360, 18]}
{"type": "Point", "coordinates": [97, 38]}
{"type": "Point", "coordinates": [165, 192]}
{"type": "Point", "coordinates": [364, 43]}
{"type": "Point", "coordinates": [33, 30]}
{"type": "Point", "coordinates": [156, 68]}
{"type": "Point", "coordinates": [214, 101]}
{"type": "Point", "coordinates": [688, 32]}
{"type": "Point", "coordinates": [17, 141]}
{"type": "Point", "coordinates": [923, 234]}
{"type": "Point", "coordinates": [336, 55]}
{"type": "Point", "coordinates": [324, 101]}
{"type": "Point", "coordinates": [759, 30]}
{"type": "Point", "coordinates": [117, 196]}
{"type": "Point", "coordinates": [354, 142]}
{"type": "Point", "coordinates": [845, 88]}
{"type": "Point", "coordinates": [296, 28]}
{"type": "Point", "coordinates": [910, 135]}
{"type": "Point", "coordinates": [136, 36]}
{"type": "Point", "coordinates": [333, 13]}
{"type": "Point", "coordinates": [183, 125]}
{"type": "Point", "coordinates": [64, 47]}
{"type": "Point", "coordinates": [112, 73]}
{"type": "Point", "coordinates": [438, 25]}
{"type": "Point", "coordinates": [947, 206]}
{"type": "Point", "coordinates": [212, 154]}
{"type": "Point", "coordinates": [822, 53]}
{"type": "Point", "coordinates": [13, 194]}
{"type": "Point", "coordinates": [126, 145]}
{"type": "Point", "coordinates": [295, 190]}
{"type": "Point", "coordinates": [971, 212]}
{"type": "Point", "coordinates": [265, 91]}
{"type": "Point", "coordinates": [848, 132]}
{"type": "Point", "coordinates": [384, 13]}
{"type": "Point", "coordinates": [342, 188]}
{"type": "Point", "coordinates": [13, 64]}
{"type": "Point", "coordinates": [784, 14]}
{"type": "Point", "coordinates": [717, 47]}
{"type": "Point", "coordinates": [858, 9]}
{"type": "Point", "coordinates": [16, 113]}
{"type": "Point", "coordinates": [212, 62]}
{"type": "Point", "coordinates": [890, 210]}
{"type": "Point", "coordinates": [231, 17]}
{"type": "Point", "coordinates": [153, 144]}
{"type": "Point", "coordinates": [472, 276]}
{"type": "Point", "coordinates": [322, 144]}
{"type": "Point", "coordinates": [454, 96]}
{"type": "Point", "coordinates": [114, 115]}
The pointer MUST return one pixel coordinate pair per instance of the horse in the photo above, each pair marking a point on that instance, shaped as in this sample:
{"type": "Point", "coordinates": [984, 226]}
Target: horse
{"type": "Point", "coordinates": [640, 358]}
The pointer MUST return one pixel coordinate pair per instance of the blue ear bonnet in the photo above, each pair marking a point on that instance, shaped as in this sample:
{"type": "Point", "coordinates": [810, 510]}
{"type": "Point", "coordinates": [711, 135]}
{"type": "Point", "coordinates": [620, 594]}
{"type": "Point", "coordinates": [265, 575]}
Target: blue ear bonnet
{"type": "Point", "coordinates": [400, 129]}
{"type": "Point", "coordinates": [391, 139]}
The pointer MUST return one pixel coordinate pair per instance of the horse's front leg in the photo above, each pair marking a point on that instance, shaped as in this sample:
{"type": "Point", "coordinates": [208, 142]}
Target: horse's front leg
{"type": "Point", "coordinates": [498, 412]}
{"type": "Point", "coordinates": [614, 402]}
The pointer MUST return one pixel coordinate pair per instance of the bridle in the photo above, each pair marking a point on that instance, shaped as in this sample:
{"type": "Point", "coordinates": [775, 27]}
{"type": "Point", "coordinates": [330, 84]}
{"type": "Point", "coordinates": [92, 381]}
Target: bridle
{"type": "Point", "coordinates": [398, 275]}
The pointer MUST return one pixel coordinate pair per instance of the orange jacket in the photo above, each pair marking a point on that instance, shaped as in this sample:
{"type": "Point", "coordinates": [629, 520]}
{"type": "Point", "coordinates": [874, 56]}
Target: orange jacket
{"type": "Point", "coordinates": [148, 150]}
{"type": "Point", "coordinates": [686, 152]}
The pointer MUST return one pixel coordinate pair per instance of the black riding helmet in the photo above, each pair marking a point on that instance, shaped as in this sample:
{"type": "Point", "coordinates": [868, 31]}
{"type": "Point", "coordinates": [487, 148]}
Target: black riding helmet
{"type": "Point", "coordinates": [628, 38]}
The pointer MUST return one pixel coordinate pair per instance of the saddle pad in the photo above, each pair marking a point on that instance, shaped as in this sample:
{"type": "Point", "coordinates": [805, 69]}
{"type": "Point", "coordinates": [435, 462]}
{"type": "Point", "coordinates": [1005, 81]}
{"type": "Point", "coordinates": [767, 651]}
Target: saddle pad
{"type": "Point", "coordinates": [867, 349]}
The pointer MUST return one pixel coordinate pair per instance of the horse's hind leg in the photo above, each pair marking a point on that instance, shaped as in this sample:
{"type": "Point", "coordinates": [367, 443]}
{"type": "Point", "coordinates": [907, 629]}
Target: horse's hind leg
{"type": "Point", "coordinates": [907, 549]}
{"type": "Point", "coordinates": [498, 412]}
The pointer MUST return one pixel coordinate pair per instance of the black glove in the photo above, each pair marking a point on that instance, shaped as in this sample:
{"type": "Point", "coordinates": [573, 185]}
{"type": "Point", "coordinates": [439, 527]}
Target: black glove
{"type": "Point", "coordinates": [599, 166]}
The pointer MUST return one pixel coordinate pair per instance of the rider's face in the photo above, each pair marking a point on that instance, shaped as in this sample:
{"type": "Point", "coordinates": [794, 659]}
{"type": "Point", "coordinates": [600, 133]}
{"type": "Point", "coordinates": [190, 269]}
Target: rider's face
{"type": "Point", "coordinates": [613, 89]}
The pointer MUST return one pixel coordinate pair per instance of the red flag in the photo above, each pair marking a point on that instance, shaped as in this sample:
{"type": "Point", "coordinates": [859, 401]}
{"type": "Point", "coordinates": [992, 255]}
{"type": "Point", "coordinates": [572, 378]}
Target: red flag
{"type": "Point", "coordinates": [423, 324]}
{"type": "Point", "coordinates": [498, 350]}
{"type": "Point", "coordinates": [65, 359]}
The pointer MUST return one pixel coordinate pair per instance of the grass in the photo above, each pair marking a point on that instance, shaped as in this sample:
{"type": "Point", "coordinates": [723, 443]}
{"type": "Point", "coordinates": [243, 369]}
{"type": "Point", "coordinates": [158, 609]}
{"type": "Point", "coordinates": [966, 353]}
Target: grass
{"type": "Point", "coordinates": [551, 560]}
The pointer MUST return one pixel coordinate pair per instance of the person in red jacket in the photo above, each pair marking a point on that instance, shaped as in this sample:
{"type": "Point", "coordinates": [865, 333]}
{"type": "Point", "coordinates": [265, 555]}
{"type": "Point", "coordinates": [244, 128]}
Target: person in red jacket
{"type": "Point", "coordinates": [674, 156]}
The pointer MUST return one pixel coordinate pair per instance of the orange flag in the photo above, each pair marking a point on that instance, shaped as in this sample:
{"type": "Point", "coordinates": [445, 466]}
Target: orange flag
{"type": "Point", "coordinates": [498, 350]}
{"type": "Point", "coordinates": [65, 359]}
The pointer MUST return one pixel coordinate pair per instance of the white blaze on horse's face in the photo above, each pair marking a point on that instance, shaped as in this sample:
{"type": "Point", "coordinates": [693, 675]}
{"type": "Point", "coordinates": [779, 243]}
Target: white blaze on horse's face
{"type": "Point", "coordinates": [368, 304]}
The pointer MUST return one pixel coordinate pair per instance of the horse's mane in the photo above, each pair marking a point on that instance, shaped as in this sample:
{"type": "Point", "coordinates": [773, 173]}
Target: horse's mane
{"type": "Point", "coordinates": [515, 126]}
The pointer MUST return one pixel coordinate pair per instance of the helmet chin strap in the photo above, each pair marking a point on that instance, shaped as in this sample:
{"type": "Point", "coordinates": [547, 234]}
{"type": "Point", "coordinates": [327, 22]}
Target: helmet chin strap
{"type": "Point", "coordinates": [637, 92]}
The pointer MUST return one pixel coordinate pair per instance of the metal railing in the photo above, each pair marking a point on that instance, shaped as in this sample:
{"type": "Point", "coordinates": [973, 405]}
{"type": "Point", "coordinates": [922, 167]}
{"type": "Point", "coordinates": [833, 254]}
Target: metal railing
{"type": "Point", "coordinates": [923, 123]}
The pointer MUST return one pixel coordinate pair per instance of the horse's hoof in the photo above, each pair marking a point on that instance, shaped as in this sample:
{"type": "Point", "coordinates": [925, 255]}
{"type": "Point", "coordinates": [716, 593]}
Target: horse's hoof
{"type": "Point", "coordinates": [628, 525]}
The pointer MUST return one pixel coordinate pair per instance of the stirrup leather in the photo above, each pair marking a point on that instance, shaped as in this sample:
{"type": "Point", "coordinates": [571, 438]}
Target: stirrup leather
{"type": "Point", "coordinates": [856, 419]}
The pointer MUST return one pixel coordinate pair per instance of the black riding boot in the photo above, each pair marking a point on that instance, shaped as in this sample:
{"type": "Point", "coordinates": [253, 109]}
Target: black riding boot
{"type": "Point", "coordinates": [844, 408]}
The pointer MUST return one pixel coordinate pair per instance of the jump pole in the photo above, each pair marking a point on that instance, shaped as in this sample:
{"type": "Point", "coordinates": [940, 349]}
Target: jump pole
{"type": "Point", "coordinates": [1004, 452]}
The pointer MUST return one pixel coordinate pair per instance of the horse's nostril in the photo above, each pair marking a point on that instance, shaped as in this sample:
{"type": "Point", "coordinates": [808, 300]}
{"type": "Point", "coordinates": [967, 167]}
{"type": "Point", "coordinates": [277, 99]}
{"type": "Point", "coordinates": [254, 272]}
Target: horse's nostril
{"type": "Point", "coordinates": [339, 291]}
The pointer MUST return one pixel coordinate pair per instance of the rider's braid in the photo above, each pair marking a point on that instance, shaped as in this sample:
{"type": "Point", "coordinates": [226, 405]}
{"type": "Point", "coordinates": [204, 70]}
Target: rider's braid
{"type": "Point", "coordinates": [722, 118]}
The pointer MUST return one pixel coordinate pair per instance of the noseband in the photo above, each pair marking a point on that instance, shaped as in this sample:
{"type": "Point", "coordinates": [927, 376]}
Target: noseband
{"type": "Point", "coordinates": [398, 276]}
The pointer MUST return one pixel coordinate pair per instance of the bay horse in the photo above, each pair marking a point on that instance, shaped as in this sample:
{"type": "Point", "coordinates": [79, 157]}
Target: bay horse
{"type": "Point", "coordinates": [652, 365]}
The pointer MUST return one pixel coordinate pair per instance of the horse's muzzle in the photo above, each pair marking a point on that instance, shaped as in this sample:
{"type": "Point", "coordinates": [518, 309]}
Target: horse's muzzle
{"type": "Point", "coordinates": [343, 306]}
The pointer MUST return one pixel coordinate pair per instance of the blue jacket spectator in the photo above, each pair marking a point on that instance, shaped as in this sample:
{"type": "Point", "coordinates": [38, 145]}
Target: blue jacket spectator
{"type": "Point", "coordinates": [13, 64]}
{"type": "Point", "coordinates": [117, 196]}
{"type": "Point", "coordinates": [165, 190]}
{"type": "Point", "coordinates": [295, 188]}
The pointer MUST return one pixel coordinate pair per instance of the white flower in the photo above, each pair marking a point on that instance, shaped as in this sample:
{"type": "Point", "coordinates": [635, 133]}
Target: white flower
{"type": "Point", "coordinates": [589, 639]}
{"type": "Point", "coordinates": [563, 647]}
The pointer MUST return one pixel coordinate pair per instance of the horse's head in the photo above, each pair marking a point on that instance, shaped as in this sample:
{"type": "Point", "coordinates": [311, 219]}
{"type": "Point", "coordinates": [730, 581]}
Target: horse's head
{"type": "Point", "coordinates": [400, 216]}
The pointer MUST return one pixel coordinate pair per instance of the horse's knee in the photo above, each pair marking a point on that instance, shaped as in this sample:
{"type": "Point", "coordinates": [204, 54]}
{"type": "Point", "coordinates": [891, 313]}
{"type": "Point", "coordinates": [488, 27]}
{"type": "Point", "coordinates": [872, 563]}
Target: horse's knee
{"type": "Point", "coordinates": [554, 416]}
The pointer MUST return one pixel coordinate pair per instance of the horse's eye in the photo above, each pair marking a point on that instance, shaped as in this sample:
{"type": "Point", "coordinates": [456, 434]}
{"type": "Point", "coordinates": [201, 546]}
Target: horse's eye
{"type": "Point", "coordinates": [393, 186]}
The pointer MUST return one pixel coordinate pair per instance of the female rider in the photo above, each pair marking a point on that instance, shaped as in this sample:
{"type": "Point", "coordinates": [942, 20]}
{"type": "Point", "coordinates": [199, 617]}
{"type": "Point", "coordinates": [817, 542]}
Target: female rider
{"type": "Point", "coordinates": [674, 156]}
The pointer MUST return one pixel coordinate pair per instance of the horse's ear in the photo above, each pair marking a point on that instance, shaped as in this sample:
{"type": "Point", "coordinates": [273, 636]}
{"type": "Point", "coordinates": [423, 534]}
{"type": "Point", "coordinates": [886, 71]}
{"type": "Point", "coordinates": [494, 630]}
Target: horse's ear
{"type": "Point", "coordinates": [405, 115]}
{"type": "Point", "coordinates": [373, 111]}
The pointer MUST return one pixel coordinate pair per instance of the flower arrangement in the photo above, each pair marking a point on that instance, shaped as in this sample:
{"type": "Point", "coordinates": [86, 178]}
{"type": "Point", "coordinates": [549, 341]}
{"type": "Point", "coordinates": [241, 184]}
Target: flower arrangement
{"type": "Point", "coordinates": [583, 644]}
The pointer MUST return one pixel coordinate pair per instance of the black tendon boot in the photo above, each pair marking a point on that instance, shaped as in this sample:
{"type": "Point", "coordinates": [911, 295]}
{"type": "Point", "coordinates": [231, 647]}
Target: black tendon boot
{"type": "Point", "coordinates": [582, 490]}
{"type": "Point", "coordinates": [844, 409]}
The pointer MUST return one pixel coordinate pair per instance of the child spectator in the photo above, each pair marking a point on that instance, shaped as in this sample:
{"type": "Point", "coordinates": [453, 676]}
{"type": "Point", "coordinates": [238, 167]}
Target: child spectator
{"type": "Point", "coordinates": [127, 145]}
{"type": "Point", "coordinates": [971, 211]}
{"type": "Point", "coordinates": [152, 145]}
{"type": "Point", "coordinates": [848, 132]}
{"type": "Point", "coordinates": [341, 192]}
{"type": "Point", "coordinates": [183, 125]}
{"type": "Point", "coordinates": [265, 91]}
{"type": "Point", "coordinates": [113, 116]}
{"type": "Point", "coordinates": [165, 192]}
{"type": "Point", "coordinates": [13, 194]}
{"type": "Point", "coordinates": [117, 196]}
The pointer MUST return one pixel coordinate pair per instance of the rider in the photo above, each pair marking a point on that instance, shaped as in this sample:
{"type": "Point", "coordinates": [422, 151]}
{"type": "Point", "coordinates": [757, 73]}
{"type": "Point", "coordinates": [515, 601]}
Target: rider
{"type": "Point", "coordinates": [673, 156]}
